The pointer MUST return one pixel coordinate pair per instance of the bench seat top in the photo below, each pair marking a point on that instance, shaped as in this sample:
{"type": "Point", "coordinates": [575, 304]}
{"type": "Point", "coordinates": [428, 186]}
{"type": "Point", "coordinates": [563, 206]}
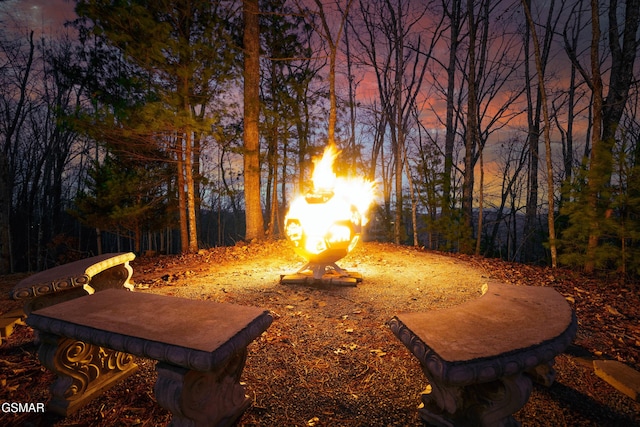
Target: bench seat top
{"type": "Point", "coordinates": [522, 326]}
{"type": "Point", "coordinates": [194, 334]}
{"type": "Point", "coordinates": [68, 276]}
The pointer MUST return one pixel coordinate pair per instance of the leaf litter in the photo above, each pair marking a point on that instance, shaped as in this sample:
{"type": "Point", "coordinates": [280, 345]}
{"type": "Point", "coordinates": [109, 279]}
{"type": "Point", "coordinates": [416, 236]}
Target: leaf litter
{"type": "Point", "coordinates": [329, 358]}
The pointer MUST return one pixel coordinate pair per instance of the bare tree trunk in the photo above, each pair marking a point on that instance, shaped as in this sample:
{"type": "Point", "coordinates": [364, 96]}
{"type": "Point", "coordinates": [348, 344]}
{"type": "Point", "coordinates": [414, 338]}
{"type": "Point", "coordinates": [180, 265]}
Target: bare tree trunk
{"type": "Point", "coordinates": [399, 128]}
{"type": "Point", "coordinates": [253, 208]}
{"type": "Point", "coordinates": [470, 141]}
{"type": "Point", "coordinates": [333, 51]}
{"type": "Point", "coordinates": [533, 123]}
{"type": "Point", "coordinates": [182, 200]}
{"type": "Point", "coordinates": [273, 193]}
{"type": "Point", "coordinates": [450, 136]}
{"type": "Point", "coordinates": [5, 216]}
{"type": "Point", "coordinates": [352, 108]}
{"type": "Point", "coordinates": [414, 202]}
{"type": "Point", "coordinates": [191, 199]}
{"type": "Point", "coordinates": [547, 137]}
{"type": "Point", "coordinates": [596, 141]}
{"type": "Point", "coordinates": [480, 204]}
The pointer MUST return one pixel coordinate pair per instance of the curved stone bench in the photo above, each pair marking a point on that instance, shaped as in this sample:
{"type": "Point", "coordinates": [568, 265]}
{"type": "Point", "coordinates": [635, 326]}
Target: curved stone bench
{"type": "Point", "coordinates": [200, 346]}
{"type": "Point", "coordinates": [78, 278]}
{"type": "Point", "coordinates": [480, 357]}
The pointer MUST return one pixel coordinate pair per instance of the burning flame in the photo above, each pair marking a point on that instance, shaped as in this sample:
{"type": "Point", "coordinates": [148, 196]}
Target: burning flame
{"type": "Point", "coordinates": [326, 222]}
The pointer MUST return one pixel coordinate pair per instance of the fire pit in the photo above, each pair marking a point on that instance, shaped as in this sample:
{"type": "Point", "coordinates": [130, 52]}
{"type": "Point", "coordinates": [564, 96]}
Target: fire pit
{"type": "Point", "coordinates": [325, 224]}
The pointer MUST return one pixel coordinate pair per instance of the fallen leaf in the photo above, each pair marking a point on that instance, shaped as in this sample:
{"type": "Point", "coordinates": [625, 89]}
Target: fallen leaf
{"type": "Point", "coordinates": [613, 310]}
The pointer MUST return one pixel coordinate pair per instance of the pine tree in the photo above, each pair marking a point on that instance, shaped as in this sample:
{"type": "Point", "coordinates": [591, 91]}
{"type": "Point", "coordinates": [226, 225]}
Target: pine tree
{"type": "Point", "coordinates": [186, 51]}
{"type": "Point", "coordinates": [123, 196]}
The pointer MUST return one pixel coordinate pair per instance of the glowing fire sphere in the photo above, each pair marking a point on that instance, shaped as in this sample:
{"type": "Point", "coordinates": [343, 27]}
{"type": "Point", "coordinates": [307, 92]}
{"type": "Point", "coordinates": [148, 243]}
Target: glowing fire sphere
{"type": "Point", "coordinates": [323, 226]}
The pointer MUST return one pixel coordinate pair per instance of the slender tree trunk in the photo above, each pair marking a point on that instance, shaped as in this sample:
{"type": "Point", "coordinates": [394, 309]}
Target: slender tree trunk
{"type": "Point", "coordinates": [333, 51]}
{"type": "Point", "coordinates": [399, 120]}
{"type": "Point", "coordinates": [568, 151]}
{"type": "Point", "coordinates": [253, 213]}
{"type": "Point", "coordinates": [283, 188]}
{"type": "Point", "coordinates": [333, 104]}
{"type": "Point", "coordinates": [454, 17]}
{"type": "Point", "coordinates": [547, 137]}
{"type": "Point", "coordinates": [352, 108]}
{"type": "Point", "coordinates": [533, 137]}
{"type": "Point", "coordinates": [99, 240]}
{"type": "Point", "coordinates": [5, 216]}
{"type": "Point", "coordinates": [182, 200]}
{"type": "Point", "coordinates": [470, 141]}
{"type": "Point", "coordinates": [480, 204]}
{"type": "Point", "coordinates": [272, 194]}
{"type": "Point", "coordinates": [594, 174]}
{"type": "Point", "coordinates": [414, 202]}
{"type": "Point", "coordinates": [191, 198]}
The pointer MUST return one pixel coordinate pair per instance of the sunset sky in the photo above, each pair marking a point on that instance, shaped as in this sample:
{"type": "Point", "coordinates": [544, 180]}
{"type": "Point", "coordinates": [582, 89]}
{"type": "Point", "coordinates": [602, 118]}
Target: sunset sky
{"type": "Point", "coordinates": [46, 16]}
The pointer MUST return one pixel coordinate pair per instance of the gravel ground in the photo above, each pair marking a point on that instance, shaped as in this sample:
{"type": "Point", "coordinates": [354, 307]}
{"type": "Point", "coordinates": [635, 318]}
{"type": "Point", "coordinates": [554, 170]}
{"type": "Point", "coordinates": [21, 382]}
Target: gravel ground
{"type": "Point", "coordinates": [329, 358]}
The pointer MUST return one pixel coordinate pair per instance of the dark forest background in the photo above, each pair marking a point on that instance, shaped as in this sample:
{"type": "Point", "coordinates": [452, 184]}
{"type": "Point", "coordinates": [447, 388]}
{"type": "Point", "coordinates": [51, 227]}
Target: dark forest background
{"type": "Point", "coordinates": [502, 128]}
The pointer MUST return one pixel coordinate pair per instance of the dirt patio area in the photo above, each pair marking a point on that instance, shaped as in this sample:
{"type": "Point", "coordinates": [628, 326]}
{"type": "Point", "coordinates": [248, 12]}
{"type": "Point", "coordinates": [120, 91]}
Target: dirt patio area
{"type": "Point", "coordinates": [329, 358]}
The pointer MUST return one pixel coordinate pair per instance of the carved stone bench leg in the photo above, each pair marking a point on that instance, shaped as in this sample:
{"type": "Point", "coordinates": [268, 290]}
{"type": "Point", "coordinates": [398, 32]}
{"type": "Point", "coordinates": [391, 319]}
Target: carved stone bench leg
{"type": "Point", "coordinates": [195, 398]}
{"type": "Point", "coordinates": [83, 370]}
{"type": "Point", "coordinates": [487, 404]}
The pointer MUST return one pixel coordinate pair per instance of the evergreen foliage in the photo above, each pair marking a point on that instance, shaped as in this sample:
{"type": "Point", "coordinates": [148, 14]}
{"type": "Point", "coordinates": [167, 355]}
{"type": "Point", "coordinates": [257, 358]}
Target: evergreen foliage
{"type": "Point", "coordinates": [124, 197]}
{"type": "Point", "coordinates": [619, 232]}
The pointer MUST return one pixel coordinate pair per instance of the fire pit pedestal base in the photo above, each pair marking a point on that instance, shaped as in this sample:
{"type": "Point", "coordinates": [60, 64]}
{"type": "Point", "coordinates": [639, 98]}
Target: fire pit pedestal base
{"type": "Point", "coordinates": [325, 273]}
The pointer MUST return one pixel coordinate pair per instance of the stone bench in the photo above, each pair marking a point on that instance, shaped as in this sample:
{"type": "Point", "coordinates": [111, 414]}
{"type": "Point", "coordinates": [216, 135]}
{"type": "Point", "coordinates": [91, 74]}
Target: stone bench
{"type": "Point", "coordinates": [480, 357]}
{"type": "Point", "coordinates": [74, 279]}
{"type": "Point", "coordinates": [200, 346]}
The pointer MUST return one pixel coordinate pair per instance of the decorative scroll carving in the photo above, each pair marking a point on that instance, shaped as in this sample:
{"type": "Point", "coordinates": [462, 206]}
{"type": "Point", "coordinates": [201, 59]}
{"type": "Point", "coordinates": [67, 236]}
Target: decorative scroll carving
{"type": "Point", "coordinates": [58, 285]}
{"type": "Point", "coordinates": [113, 278]}
{"type": "Point", "coordinates": [485, 404]}
{"type": "Point", "coordinates": [211, 398]}
{"type": "Point", "coordinates": [75, 279]}
{"type": "Point", "coordinates": [83, 370]}
{"type": "Point", "coordinates": [199, 386]}
{"type": "Point", "coordinates": [76, 275]}
{"type": "Point", "coordinates": [174, 354]}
